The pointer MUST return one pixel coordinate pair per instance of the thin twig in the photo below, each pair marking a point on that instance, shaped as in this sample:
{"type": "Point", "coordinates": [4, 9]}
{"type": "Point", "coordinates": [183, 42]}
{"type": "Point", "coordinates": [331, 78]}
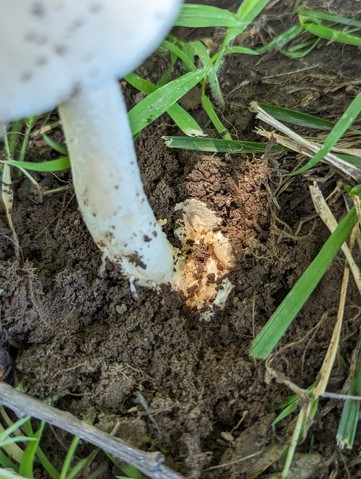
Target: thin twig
{"type": "Point", "coordinates": [341, 397]}
{"type": "Point", "coordinates": [151, 464]}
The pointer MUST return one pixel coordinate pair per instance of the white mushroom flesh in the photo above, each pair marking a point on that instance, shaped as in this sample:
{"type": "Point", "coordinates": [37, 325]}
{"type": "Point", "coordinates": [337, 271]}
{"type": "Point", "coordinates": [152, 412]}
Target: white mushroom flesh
{"type": "Point", "coordinates": [205, 260]}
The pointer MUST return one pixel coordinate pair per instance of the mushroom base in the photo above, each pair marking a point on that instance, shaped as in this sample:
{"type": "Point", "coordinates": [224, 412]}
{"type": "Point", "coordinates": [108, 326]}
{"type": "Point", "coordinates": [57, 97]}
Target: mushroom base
{"type": "Point", "coordinates": [205, 259]}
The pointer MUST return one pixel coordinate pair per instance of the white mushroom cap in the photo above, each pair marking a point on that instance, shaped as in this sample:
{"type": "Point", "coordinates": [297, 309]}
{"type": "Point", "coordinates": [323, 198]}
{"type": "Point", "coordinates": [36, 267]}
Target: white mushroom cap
{"type": "Point", "coordinates": [50, 49]}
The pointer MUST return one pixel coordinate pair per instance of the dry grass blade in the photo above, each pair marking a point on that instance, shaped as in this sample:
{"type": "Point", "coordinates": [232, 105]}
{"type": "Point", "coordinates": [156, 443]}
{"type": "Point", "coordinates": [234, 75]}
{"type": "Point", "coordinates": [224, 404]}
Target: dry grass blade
{"type": "Point", "coordinates": [8, 200]}
{"type": "Point", "coordinates": [330, 221]}
{"type": "Point", "coordinates": [296, 142]}
{"type": "Point", "coordinates": [327, 365]}
{"type": "Point", "coordinates": [347, 427]}
{"type": "Point", "coordinates": [327, 217]}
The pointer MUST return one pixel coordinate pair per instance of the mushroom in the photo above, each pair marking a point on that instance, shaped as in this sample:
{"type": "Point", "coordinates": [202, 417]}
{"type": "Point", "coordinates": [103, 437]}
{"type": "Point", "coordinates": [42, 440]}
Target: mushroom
{"type": "Point", "coordinates": [70, 54]}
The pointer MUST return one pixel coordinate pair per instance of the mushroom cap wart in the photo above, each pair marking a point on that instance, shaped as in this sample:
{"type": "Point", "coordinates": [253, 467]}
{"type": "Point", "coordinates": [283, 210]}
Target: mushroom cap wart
{"type": "Point", "coordinates": [50, 49]}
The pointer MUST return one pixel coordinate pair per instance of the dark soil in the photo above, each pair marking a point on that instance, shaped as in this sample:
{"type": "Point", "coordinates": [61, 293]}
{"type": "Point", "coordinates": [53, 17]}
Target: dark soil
{"type": "Point", "coordinates": [76, 334]}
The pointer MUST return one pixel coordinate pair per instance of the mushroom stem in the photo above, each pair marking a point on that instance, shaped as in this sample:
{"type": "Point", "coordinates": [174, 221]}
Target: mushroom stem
{"type": "Point", "coordinates": [108, 185]}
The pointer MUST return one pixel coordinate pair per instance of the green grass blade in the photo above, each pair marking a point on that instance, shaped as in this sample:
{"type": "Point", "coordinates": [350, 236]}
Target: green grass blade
{"type": "Point", "coordinates": [6, 462]}
{"type": "Point", "coordinates": [12, 451]}
{"type": "Point", "coordinates": [331, 34]}
{"type": "Point", "coordinates": [347, 427]}
{"type": "Point", "coordinates": [80, 465]}
{"type": "Point", "coordinates": [302, 49]}
{"type": "Point", "coordinates": [183, 57]}
{"type": "Point", "coordinates": [13, 136]}
{"type": "Point", "coordinates": [318, 16]}
{"type": "Point", "coordinates": [141, 84]}
{"type": "Point", "coordinates": [46, 166]}
{"type": "Point", "coordinates": [13, 440]}
{"type": "Point", "coordinates": [199, 49]}
{"type": "Point", "coordinates": [11, 429]}
{"type": "Point", "coordinates": [246, 13]}
{"type": "Point", "coordinates": [50, 469]}
{"type": "Point", "coordinates": [350, 413]}
{"type": "Point", "coordinates": [297, 118]}
{"type": "Point", "coordinates": [214, 82]}
{"type": "Point", "coordinates": [215, 145]}
{"type": "Point", "coordinates": [286, 411]}
{"type": "Point", "coordinates": [200, 16]}
{"type": "Point", "coordinates": [29, 124]}
{"type": "Point", "coordinates": [282, 39]}
{"type": "Point", "coordinates": [185, 122]}
{"type": "Point", "coordinates": [130, 471]}
{"type": "Point", "coordinates": [300, 429]}
{"type": "Point", "coordinates": [281, 319]}
{"type": "Point", "coordinates": [288, 406]}
{"type": "Point", "coordinates": [353, 160]}
{"type": "Point", "coordinates": [158, 102]}
{"type": "Point", "coordinates": [304, 120]}
{"type": "Point", "coordinates": [212, 115]}
{"type": "Point", "coordinates": [69, 457]}
{"type": "Point", "coordinates": [47, 465]}
{"type": "Point", "coordinates": [342, 125]}
{"type": "Point", "coordinates": [55, 146]}
{"type": "Point", "coordinates": [26, 466]}
{"type": "Point", "coordinates": [241, 50]}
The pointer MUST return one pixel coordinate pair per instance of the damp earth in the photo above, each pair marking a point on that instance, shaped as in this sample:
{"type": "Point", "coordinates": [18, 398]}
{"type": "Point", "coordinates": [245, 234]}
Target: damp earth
{"type": "Point", "coordinates": [72, 331]}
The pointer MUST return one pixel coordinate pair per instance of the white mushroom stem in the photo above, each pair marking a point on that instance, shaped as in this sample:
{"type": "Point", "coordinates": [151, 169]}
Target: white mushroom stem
{"type": "Point", "coordinates": [116, 211]}
{"type": "Point", "coordinates": [108, 185]}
